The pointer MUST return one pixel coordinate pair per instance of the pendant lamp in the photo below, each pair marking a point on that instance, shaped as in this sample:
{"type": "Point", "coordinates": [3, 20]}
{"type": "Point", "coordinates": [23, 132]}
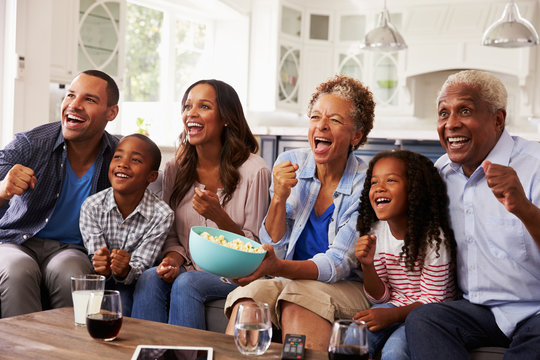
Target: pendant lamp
{"type": "Point", "coordinates": [511, 30]}
{"type": "Point", "coordinates": [385, 36]}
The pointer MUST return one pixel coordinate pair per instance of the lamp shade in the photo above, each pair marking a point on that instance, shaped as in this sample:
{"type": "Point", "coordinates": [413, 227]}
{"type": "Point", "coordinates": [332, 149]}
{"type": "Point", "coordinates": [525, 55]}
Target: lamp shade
{"type": "Point", "coordinates": [511, 30]}
{"type": "Point", "coordinates": [385, 36]}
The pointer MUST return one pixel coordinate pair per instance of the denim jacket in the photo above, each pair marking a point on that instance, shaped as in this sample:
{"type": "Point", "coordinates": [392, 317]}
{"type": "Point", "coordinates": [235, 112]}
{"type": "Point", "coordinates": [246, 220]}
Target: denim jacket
{"type": "Point", "coordinates": [338, 261]}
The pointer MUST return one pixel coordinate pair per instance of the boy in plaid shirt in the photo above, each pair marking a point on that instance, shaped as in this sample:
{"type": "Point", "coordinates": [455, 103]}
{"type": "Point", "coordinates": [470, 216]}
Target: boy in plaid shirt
{"type": "Point", "coordinates": [124, 227]}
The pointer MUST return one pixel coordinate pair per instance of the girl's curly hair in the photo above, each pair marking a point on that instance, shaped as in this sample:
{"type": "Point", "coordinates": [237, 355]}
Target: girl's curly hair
{"type": "Point", "coordinates": [427, 210]}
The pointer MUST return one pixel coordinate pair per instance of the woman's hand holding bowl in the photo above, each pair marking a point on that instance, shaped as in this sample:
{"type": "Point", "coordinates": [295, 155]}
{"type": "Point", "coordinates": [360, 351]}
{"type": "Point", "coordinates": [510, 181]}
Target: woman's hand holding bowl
{"type": "Point", "coordinates": [268, 266]}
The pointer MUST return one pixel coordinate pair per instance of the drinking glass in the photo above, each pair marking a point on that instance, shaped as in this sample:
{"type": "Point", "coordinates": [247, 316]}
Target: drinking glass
{"type": "Point", "coordinates": [104, 315]}
{"type": "Point", "coordinates": [252, 328]}
{"type": "Point", "coordinates": [81, 287]}
{"type": "Point", "coordinates": [348, 340]}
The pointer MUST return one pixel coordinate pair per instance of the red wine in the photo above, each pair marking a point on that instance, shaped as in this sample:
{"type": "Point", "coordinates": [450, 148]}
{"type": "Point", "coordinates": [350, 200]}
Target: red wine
{"type": "Point", "coordinates": [103, 326]}
{"type": "Point", "coordinates": [348, 353]}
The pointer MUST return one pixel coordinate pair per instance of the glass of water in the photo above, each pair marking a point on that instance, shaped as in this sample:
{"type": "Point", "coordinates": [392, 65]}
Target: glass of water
{"type": "Point", "coordinates": [252, 328]}
{"type": "Point", "coordinates": [81, 288]}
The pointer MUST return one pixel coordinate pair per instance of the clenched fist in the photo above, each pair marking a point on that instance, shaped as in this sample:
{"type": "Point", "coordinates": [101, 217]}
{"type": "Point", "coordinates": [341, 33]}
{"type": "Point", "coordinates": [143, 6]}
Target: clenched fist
{"type": "Point", "coordinates": [364, 250]}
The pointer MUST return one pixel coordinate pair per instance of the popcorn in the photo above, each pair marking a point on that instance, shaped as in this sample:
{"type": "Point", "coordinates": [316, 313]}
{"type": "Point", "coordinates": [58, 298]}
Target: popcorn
{"type": "Point", "coordinates": [236, 244]}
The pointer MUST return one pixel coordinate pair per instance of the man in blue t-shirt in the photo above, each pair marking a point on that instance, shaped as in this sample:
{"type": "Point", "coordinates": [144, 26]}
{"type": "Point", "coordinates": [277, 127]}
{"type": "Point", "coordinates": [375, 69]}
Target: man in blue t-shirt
{"type": "Point", "coordinates": [46, 173]}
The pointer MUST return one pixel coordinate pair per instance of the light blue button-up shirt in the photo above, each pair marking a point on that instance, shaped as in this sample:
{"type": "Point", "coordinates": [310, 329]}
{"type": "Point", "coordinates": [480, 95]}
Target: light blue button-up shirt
{"type": "Point", "coordinates": [498, 262]}
{"type": "Point", "coordinates": [338, 261]}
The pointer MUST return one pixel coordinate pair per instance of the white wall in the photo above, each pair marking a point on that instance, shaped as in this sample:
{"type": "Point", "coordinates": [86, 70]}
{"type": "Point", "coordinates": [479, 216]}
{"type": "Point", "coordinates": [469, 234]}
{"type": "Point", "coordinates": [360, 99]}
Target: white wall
{"type": "Point", "coordinates": [26, 82]}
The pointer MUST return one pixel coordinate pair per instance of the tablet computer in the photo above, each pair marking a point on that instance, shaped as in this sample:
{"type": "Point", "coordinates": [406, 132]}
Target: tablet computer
{"type": "Point", "coordinates": [165, 352]}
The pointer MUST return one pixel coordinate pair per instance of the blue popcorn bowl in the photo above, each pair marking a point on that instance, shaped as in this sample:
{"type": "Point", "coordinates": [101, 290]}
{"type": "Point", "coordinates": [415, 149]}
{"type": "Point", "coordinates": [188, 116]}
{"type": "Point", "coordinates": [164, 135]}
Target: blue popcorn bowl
{"type": "Point", "coordinates": [219, 259]}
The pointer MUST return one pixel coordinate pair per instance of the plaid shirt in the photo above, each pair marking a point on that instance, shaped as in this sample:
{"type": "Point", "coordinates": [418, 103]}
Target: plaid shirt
{"type": "Point", "coordinates": [43, 150]}
{"type": "Point", "coordinates": [141, 234]}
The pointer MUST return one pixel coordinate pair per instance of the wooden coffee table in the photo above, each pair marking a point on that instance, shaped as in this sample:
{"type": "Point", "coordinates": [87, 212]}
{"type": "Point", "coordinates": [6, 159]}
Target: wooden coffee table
{"type": "Point", "coordinates": [52, 335]}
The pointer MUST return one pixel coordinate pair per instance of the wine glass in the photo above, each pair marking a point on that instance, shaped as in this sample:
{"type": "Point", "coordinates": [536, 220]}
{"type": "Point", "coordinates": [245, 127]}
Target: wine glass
{"type": "Point", "coordinates": [104, 315]}
{"type": "Point", "coordinates": [252, 328]}
{"type": "Point", "coordinates": [348, 340]}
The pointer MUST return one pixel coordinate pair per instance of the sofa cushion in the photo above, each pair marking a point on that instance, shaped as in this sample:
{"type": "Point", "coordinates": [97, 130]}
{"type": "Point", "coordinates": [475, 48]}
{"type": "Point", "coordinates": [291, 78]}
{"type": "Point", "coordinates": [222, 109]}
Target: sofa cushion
{"type": "Point", "coordinates": [215, 317]}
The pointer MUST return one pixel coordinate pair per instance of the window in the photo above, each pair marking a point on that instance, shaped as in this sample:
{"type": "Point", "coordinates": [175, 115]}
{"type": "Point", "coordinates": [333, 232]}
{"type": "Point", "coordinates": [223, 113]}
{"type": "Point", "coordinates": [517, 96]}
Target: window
{"type": "Point", "coordinates": [170, 44]}
{"type": "Point", "coordinates": [161, 41]}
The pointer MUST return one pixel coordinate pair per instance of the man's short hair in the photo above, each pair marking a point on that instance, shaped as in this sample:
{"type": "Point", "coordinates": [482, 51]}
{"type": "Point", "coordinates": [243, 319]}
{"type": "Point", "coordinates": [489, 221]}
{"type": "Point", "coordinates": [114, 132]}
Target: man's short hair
{"type": "Point", "coordinates": [113, 94]}
{"type": "Point", "coordinates": [490, 87]}
{"type": "Point", "coordinates": [154, 149]}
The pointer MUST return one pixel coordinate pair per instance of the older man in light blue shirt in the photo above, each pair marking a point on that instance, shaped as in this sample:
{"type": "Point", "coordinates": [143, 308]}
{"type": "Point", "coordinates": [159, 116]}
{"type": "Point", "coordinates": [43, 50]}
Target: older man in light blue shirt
{"type": "Point", "coordinates": [493, 182]}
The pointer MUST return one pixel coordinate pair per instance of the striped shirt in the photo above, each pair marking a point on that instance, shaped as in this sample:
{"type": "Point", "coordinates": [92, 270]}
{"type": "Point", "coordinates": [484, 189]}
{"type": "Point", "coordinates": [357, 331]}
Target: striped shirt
{"type": "Point", "coordinates": [141, 234]}
{"type": "Point", "coordinates": [430, 282]}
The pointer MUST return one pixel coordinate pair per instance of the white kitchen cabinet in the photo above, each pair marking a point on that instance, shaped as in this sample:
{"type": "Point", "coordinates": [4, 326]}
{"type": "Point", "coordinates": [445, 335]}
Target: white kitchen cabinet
{"type": "Point", "coordinates": [63, 41]}
{"type": "Point", "coordinates": [292, 52]}
{"type": "Point", "coordinates": [87, 34]}
{"type": "Point", "coordinates": [312, 42]}
{"type": "Point", "coordinates": [350, 60]}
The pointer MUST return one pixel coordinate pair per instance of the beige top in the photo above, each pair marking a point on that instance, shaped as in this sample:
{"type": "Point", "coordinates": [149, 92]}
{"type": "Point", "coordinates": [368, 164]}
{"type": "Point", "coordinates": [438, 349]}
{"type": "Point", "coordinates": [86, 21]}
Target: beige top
{"type": "Point", "coordinates": [247, 207]}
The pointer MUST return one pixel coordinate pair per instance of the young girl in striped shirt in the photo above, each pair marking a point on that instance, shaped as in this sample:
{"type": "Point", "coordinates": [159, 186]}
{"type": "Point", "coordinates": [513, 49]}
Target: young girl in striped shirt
{"type": "Point", "coordinates": [406, 247]}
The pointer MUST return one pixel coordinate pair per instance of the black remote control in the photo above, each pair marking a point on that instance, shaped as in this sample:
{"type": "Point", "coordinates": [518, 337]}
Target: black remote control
{"type": "Point", "coordinates": [293, 347]}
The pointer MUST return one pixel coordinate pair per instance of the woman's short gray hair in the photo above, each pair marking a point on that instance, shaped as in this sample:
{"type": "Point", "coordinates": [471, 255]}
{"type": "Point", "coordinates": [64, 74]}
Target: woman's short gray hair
{"type": "Point", "coordinates": [363, 106]}
{"type": "Point", "coordinates": [490, 87]}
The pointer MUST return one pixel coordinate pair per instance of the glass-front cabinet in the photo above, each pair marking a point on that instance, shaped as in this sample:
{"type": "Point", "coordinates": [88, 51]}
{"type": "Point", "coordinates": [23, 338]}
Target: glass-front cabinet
{"type": "Point", "coordinates": [289, 72]}
{"type": "Point", "coordinates": [308, 44]}
{"type": "Point", "coordinates": [377, 69]}
{"type": "Point", "coordinates": [88, 34]}
{"type": "Point", "coordinates": [350, 59]}
{"type": "Point", "coordinates": [319, 27]}
{"type": "Point", "coordinates": [291, 22]}
{"type": "Point", "coordinates": [99, 35]}
{"type": "Point", "coordinates": [352, 65]}
{"type": "Point", "coordinates": [385, 81]}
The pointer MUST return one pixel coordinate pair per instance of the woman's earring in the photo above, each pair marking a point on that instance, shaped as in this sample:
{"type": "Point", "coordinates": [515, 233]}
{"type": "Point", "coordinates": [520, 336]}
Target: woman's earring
{"type": "Point", "coordinates": [226, 124]}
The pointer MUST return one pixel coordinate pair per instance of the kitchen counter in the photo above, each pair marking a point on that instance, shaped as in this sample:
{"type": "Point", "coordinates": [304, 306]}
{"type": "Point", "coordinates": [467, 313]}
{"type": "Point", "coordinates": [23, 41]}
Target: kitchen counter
{"type": "Point", "coordinates": [398, 134]}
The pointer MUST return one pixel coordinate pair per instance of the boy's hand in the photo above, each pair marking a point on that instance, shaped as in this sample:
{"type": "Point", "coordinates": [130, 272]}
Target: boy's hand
{"type": "Point", "coordinates": [364, 250]}
{"type": "Point", "coordinates": [377, 319]}
{"type": "Point", "coordinates": [120, 263]}
{"type": "Point", "coordinates": [102, 261]}
{"type": "Point", "coordinates": [206, 203]}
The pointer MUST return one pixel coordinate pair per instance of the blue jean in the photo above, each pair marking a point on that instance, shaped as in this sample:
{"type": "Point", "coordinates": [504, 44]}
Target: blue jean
{"type": "Point", "coordinates": [450, 330]}
{"type": "Point", "coordinates": [151, 297]}
{"type": "Point", "coordinates": [190, 291]}
{"type": "Point", "coordinates": [126, 294]}
{"type": "Point", "coordinates": [181, 303]}
{"type": "Point", "coordinates": [391, 340]}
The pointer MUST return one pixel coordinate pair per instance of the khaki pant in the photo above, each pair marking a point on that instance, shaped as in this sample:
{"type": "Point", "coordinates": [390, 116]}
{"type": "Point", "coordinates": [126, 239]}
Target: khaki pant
{"type": "Point", "coordinates": [39, 263]}
{"type": "Point", "coordinates": [330, 301]}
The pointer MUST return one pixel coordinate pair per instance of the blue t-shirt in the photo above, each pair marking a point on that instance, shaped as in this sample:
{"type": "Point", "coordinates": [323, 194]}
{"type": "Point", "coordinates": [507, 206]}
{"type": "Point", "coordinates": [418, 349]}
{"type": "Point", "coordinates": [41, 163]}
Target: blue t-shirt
{"type": "Point", "coordinates": [63, 224]}
{"type": "Point", "coordinates": [314, 238]}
